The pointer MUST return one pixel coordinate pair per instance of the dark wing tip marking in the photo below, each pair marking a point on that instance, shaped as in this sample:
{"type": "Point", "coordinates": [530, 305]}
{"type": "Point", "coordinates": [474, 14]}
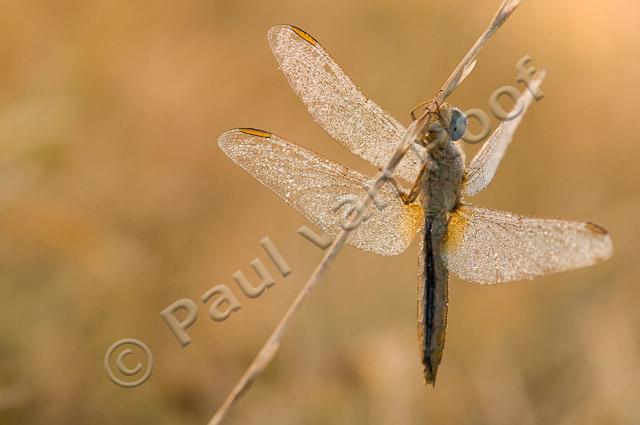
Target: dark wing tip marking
{"type": "Point", "coordinates": [304, 35]}
{"type": "Point", "coordinates": [594, 228]}
{"type": "Point", "coordinates": [227, 139]}
{"type": "Point", "coordinates": [255, 132]}
{"type": "Point", "coordinates": [275, 30]}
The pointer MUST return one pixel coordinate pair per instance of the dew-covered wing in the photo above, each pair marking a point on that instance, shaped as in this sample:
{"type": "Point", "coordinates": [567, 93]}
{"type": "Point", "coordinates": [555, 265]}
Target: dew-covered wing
{"type": "Point", "coordinates": [335, 102]}
{"type": "Point", "coordinates": [482, 168]}
{"type": "Point", "coordinates": [323, 191]}
{"type": "Point", "coordinates": [488, 246]}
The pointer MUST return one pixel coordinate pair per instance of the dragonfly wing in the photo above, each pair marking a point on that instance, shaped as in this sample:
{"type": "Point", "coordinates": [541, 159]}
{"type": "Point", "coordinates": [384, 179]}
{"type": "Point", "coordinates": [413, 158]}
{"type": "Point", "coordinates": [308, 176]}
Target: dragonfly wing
{"type": "Point", "coordinates": [483, 166]}
{"type": "Point", "coordinates": [487, 246]}
{"type": "Point", "coordinates": [335, 102]}
{"type": "Point", "coordinates": [323, 191]}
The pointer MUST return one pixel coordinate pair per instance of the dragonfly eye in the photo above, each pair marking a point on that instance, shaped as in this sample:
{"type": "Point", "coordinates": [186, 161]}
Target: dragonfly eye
{"type": "Point", "coordinates": [458, 124]}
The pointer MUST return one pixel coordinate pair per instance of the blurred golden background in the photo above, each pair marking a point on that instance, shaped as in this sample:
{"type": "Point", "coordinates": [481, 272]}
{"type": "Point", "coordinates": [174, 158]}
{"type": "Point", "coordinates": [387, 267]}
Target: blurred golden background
{"type": "Point", "coordinates": [115, 201]}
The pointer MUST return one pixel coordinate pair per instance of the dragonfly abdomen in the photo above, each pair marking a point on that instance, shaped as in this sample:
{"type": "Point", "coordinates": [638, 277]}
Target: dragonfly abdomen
{"type": "Point", "coordinates": [432, 296]}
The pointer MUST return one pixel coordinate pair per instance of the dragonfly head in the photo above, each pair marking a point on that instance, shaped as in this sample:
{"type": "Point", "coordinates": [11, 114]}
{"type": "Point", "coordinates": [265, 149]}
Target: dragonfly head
{"type": "Point", "coordinates": [455, 121]}
{"type": "Point", "coordinates": [450, 119]}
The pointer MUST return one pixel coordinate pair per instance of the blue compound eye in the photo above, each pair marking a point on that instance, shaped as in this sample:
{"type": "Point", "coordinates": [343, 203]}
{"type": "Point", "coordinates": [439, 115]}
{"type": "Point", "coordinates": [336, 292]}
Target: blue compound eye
{"type": "Point", "coordinates": [458, 124]}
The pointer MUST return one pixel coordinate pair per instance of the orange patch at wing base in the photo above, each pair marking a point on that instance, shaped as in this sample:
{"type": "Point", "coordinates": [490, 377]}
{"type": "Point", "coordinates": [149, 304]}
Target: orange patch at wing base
{"type": "Point", "coordinates": [455, 230]}
{"type": "Point", "coordinates": [413, 220]}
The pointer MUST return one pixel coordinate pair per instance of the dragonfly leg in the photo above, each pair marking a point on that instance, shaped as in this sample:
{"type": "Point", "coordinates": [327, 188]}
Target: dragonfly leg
{"type": "Point", "coordinates": [409, 198]}
{"type": "Point", "coordinates": [426, 104]}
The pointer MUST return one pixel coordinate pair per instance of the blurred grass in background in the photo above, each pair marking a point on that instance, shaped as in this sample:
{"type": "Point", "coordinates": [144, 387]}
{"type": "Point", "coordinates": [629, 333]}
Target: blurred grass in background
{"type": "Point", "coordinates": [115, 201]}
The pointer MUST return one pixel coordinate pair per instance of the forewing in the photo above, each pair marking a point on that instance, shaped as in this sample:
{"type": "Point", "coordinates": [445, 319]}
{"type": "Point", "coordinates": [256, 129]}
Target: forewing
{"type": "Point", "coordinates": [335, 102]}
{"type": "Point", "coordinates": [488, 246]}
{"type": "Point", "coordinates": [483, 166]}
{"type": "Point", "coordinates": [323, 191]}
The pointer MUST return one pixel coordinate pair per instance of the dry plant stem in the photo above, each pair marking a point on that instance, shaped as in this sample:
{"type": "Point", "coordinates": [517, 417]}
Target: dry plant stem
{"type": "Point", "coordinates": [506, 9]}
{"type": "Point", "coordinates": [271, 346]}
{"type": "Point", "coordinates": [414, 130]}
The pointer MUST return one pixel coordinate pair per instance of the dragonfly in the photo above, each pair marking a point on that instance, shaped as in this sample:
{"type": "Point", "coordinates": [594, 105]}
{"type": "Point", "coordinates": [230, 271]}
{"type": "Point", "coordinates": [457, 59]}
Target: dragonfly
{"type": "Point", "coordinates": [424, 197]}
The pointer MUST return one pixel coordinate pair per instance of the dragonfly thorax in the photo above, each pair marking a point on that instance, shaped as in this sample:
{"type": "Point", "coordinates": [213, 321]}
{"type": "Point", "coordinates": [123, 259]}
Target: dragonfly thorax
{"type": "Point", "coordinates": [442, 186]}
